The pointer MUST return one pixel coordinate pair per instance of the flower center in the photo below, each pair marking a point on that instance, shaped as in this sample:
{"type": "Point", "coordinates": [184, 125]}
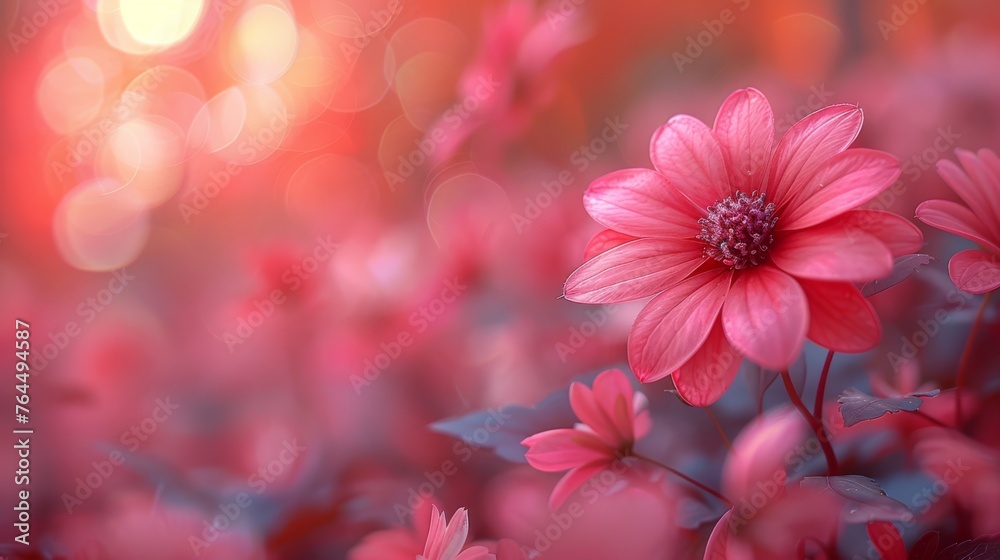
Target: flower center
{"type": "Point", "coordinates": [738, 231]}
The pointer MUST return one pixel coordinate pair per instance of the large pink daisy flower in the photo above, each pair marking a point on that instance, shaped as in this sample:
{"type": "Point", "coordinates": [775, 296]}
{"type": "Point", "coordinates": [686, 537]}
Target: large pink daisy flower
{"type": "Point", "coordinates": [749, 248]}
{"type": "Point", "coordinates": [973, 270]}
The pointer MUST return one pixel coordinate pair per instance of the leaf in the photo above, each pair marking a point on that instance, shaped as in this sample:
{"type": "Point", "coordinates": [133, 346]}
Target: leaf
{"type": "Point", "coordinates": [887, 540]}
{"type": "Point", "coordinates": [864, 499]}
{"type": "Point", "coordinates": [856, 407]}
{"type": "Point", "coordinates": [902, 268]}
{"type": "Point", "coordinates": [503, 429]}
{"type": "Point", "coordinates": [926, 547]}
{"type": "Point", "coordinates": [983, 548]}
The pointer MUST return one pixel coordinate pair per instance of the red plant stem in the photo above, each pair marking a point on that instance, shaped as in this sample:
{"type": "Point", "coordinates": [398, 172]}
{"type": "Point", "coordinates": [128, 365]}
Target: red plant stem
{"type": "Point", "coordinates": [821, 388]}
{"type": "Point", "coordinates": [718, 426]}
{"type": "Point", "coordinates": [931, 419]}
{"type": "Point", "coordinates": [963, 363]}
{"type": "Point", "coordinates": [686, 478]}
{"type": "Point", "coordinates": [816, 425]}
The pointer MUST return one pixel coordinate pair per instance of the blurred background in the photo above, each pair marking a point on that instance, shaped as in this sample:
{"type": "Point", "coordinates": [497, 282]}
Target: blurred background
{"type": "Point", "coordinates": [264, 244]}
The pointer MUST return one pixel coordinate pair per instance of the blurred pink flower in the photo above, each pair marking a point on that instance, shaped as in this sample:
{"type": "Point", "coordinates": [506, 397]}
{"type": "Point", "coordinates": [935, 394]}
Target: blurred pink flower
{"type": "Point", "coordinates": [445, 541]}
{"type": "Point", "coordinates": [612, 417]}
{"type": "Point", "coordinates": [973, 270]}
{"type": "Point", "coordinates": [748, 249]}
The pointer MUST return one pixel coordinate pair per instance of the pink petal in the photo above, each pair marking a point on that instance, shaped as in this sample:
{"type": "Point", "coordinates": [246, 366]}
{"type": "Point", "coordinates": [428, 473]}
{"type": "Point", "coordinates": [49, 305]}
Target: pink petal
{"type": "Point", "coordinates": [635, 270]}
{"type": "Point", "coordinates": [687, 154]}
{"type": "Point", "coordinates": [614, 394]}
{"type": "Point", "coordinates": [436, 533]}
{"type": "Point", "coordinates": [391, 544]}
{"type": "Point", "coordinates": [640, 203]}
{"type": "Point", "coordinates": [846, 181]}
{"type": "Point", "coordinates": [671, 328]}
{"type": "Point", "coordinates": [759, 452]}
{"type": "Point", "coordinates": [477, 553]}
{"type": "Point", "coordinates": [831, 252]}
{"type": "Point", "coordinates": [590, 412]}
{"type": "Point", "coordinates": [975, 271]}
{"type": "Point", "coordinates": [572, 481]}
{"type": "Point", "coordinates": [454, 537]}
{"type": "Point", "coordinates": [807, 146]}
{"type": "Point", "coordinates": [957, 219]}
{"type": "Point", "coordinates": [766, 316]}
{"type": "Point", "coordinates": [704, 378]}
{"type": "Point", "coordinates": [723, 544]}
{"type": "Point", "coordinates": [900, 235]}
{"type": "Point", "coordinates": [603, 241]}
{"type": "Point", "coordinates": [886, 540]}
{"type": "Point", "coordinates": [985, 196]}
{"type": "Point", "coordinates": [559, 450]}
{"type": "Point", "coordinates": [840, 318]}
{"type": "Point", "coordinates": [744, 128]}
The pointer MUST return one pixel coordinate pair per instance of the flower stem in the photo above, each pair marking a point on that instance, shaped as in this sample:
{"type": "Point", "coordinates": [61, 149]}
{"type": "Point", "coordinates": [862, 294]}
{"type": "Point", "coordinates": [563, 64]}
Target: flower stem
{"type": "Point", "coordinates": [685, 477]}
{"type": "Point", "coordinates": [963, 363]}
{"type": "Point", "coordinates": [821, 388]}
{"type": "Point", "coordinates": [718, 426]}
{"type": "Point", "coordinates": [931, 419]}
{"type": "Point", "coordinates": [814, 423]}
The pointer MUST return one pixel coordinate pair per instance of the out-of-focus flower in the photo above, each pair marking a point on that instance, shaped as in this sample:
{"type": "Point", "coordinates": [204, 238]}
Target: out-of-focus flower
{"type": "Point", "coordinates": [510, 77]}
{"type": "Point", "coordinates": [770, 518]}
{"type": "Point", "coordinates": [445, 541]}
{"type": "Point", "coordinates": [748, 249]}
{"type": "Point", "coordinates": [974, 270]}
{"type": "Point", "coordinates": [612, 417]}
{"type": "Point", "coordinates": [968, 470]}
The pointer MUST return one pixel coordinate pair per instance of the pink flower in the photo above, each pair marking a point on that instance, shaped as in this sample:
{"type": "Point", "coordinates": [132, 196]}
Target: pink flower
{"type": "Point", "coordinates": [973, 270]}
{"type": "Point", "coordinates": [748, 248]}
{"type": "Point", "coordinates": [612, 417]}
{"type": "Point", "coordinates": [444, 541]}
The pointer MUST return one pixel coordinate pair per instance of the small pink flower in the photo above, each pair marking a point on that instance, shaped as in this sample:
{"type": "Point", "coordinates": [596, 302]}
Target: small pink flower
{"type": "Point", "coordinates": [612, 417]}
{"type": "Point", "coordinates": [749, 249]}
{"type": "Point", "coordinates": [973, 270]}
{"type": "Point", "coordinates": [445, 541]}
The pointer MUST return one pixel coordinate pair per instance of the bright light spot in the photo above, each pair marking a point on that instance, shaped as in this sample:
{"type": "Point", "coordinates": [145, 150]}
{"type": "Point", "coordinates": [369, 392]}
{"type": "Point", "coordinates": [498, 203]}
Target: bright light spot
{"type": "Point", "coordinates": [145, 155]}
{"type": "Point", "coordinates": [160, 23]}
{"type": "Point", "coordinates": [70, 94]}
{"type": "Point", "coordinates": [264, 44]}
{"type": "Point", "coordinates": [219, 121]}
{"type": "Point", "coordinates": [101, 226]}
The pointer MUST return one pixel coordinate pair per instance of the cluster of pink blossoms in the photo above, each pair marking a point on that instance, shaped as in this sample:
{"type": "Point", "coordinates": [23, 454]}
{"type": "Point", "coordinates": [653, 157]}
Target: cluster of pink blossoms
{"type": "Point", "coordinates": [748, 247]}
